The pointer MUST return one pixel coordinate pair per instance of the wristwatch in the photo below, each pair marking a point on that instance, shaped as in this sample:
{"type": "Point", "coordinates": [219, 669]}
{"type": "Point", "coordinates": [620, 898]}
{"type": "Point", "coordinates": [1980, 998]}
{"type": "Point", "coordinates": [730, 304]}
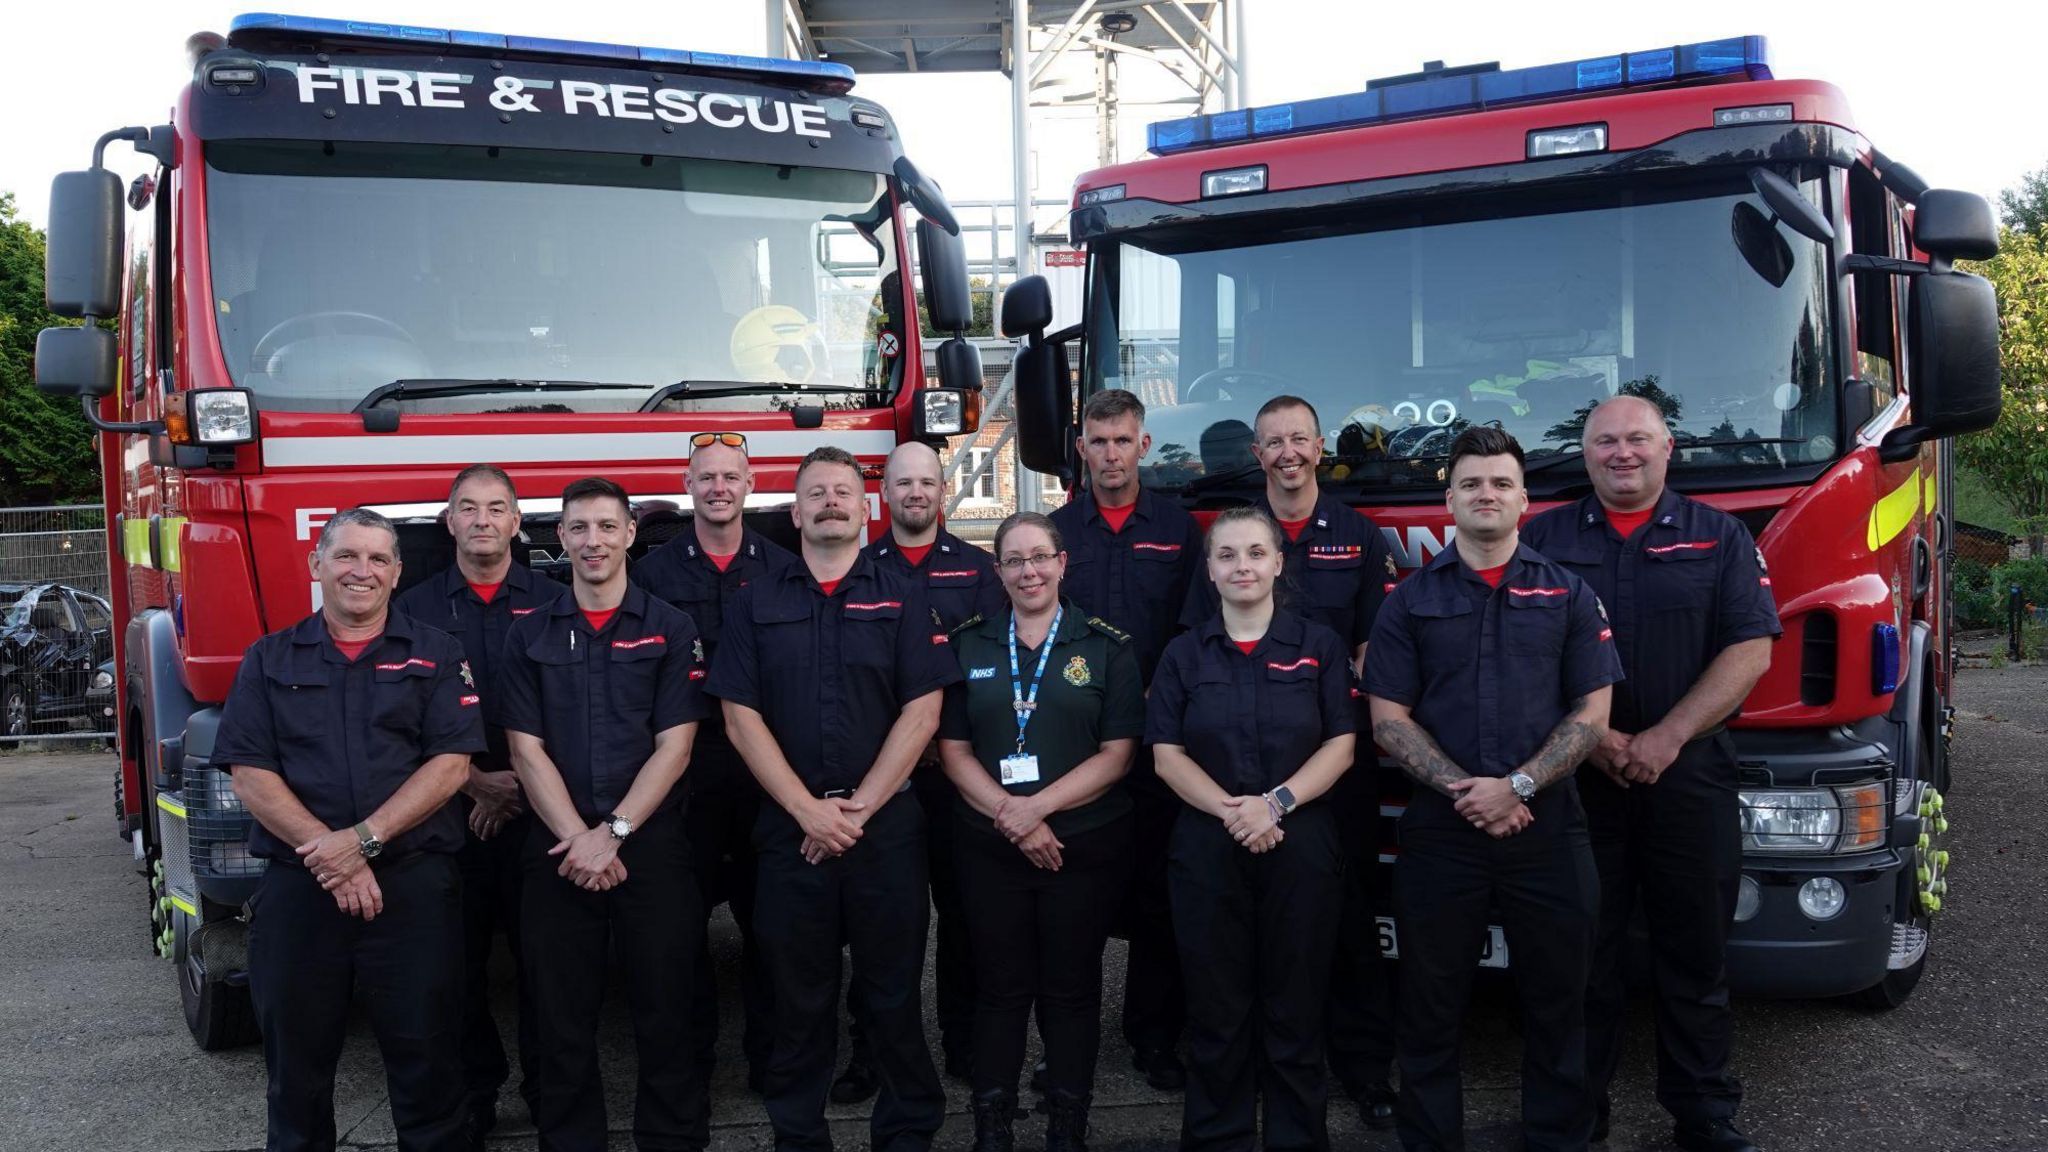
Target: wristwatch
{"type": "Point", "coordinates": [619, 826]}
{"type": "Point", "coordinates": [1524, 787]}
{"type": "Point", "coordinates": [368, 841]}
{"type": "Point", "coordinates": [1283, 798]}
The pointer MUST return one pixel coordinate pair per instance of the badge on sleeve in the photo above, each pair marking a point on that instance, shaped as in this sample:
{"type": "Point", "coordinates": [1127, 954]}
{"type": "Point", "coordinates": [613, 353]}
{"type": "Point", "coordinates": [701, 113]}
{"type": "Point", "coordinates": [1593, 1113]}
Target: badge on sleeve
{"type": "Point", "coordinates": [1077, 674]}
{"type": "Point", "coordinates": [697, 649]}
{"type": "Point", "coordinates": [1020, 768]}
{"type": "Point", "coordinates": [466, 677]}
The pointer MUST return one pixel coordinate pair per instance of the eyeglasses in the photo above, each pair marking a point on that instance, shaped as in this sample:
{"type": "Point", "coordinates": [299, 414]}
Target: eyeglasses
{"type": "Point", "coordinates": [729, 439]}
{"type": "Point", "coordinates": [1016, 564]}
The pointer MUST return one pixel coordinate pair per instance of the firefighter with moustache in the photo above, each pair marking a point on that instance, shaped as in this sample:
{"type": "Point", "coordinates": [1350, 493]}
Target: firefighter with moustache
{"type": "Point", "coordinates": [1693, 621]}
{"type": "Point", "coordinates": [831, 674]}
{"type": "Point", "coordinates": [1131, 555]}
{"type": "Point", "coordinates": [602, 694]}
{"type": "Point", "coordinates": [1338, 570]}
{"type": "Point", "coordinates": [476, 600]}
{"type": "Point", "coordinates": [961, 583]}
{"type": "Point", "coordinates": [347, 735]}
{"type": "Point", "coordinates": [1489, 680]}
{"type": "Point", "coordinates": [701, 571]}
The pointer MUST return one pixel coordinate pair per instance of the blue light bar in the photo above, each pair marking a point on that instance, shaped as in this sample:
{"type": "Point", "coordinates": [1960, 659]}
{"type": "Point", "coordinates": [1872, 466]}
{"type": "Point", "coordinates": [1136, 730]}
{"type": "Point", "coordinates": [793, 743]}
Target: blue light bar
{"type": "Point", "coordinates": [822, 73]}
{"type": "Point", "coordinates": [1435, 95]}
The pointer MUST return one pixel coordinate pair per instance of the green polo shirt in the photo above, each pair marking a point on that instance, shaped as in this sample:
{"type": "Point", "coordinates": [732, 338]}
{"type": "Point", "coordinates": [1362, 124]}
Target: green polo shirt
{"type": "Point", "coordinates": [1091, 692]}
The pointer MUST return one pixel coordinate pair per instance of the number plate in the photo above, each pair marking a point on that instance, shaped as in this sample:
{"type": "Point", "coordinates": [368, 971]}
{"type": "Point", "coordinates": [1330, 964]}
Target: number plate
{"type": "Point", "coordinates": [1493, 953]}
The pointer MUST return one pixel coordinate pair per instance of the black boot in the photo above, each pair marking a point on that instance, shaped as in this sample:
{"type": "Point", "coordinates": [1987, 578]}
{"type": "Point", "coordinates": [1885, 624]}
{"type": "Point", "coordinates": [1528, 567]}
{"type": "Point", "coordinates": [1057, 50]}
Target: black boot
{"type": "Point", "coordinates": [1067, 1128]}
{"type": "Point", "coordinates": [995, 1118]}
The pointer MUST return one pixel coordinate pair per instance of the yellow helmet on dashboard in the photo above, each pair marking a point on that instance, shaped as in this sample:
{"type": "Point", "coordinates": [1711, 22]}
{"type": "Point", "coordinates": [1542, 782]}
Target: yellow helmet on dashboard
{"type": "Point", "coordinates": [777, 343]}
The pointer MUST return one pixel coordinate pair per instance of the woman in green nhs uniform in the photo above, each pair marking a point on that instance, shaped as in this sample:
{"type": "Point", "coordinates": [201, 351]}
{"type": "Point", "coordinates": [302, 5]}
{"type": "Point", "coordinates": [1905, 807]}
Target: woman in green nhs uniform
{"type": "Point", "coordinates": [1036, 737]}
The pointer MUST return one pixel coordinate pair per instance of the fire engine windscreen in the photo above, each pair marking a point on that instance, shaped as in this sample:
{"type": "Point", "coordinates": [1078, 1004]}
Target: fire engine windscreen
{"type": "Point", "coordinates": [1403, 326]}
{"type": "Point", "coordinates": [340, 267]}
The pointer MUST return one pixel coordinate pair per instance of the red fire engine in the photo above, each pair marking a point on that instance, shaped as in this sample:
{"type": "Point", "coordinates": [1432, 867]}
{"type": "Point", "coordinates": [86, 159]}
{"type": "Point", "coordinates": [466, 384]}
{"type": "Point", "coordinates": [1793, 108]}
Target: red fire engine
{"type": "Point", "coordinates": [1469, 246]}
{"type": "Point", "coordinates": [372, 254]}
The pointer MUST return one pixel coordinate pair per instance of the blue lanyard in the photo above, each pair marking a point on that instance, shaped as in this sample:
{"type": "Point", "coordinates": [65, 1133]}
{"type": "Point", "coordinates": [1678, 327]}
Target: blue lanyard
{"type": "Point", "coordinates": [1024, 704]}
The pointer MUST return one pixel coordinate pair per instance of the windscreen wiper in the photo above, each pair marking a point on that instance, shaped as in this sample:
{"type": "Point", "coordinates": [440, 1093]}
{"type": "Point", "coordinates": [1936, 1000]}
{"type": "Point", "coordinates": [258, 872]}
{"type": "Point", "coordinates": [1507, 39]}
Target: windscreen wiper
{"type": "Point", "coordinates": [414, 388]}
{"type": "Point", "coordinates": [698, 388]}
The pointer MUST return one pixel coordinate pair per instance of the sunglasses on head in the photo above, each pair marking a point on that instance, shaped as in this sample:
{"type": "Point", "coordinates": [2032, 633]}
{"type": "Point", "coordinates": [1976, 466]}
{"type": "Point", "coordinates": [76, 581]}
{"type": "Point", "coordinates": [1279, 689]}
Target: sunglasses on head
{"type": "Point", "coordinates": [729, 439]}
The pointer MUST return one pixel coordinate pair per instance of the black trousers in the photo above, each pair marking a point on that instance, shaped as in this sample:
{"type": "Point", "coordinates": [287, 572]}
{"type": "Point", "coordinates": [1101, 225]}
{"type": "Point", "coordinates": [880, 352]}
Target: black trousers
{"type": "Point", "coordinates": [1361, 1008]}
{"type": "Point", "coordinates": [490, 905]}
{"type": "Point", "coordinates": [724, 803]}
{"type": "Point", "coordinates": [308, 958]}
{"type": "Point", "coordinates": [954, 966]}
{"type": "Point", "coordinates": [873, 900]}
{"type": "Point", "coordinates": [654, 925]}
{"type": "Point", "coordinates": [1676, 845]}
{"type": "Point", "coordinates": [1155, 999]}
{"type": "Point", "coordinates": [1252, 929]}
{"type": "Point", "coordinates": [1542, 884]}
{"type": "Point", "coordinates": [1039, 936]}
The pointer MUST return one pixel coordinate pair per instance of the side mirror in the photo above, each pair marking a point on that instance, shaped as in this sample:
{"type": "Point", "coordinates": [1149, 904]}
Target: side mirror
{"type": "Point", "coordinates": [943, 261]}
{"type": "Point", "coordinates": [1027, 307]}
{"type": "Point", "coordinates": [82, 259]}
{"type": "Point", "coordinates": [1044, 402]}
{"type": "Point", "coordinates": [953, 408]}
{"type": "Point", "coordinates": [924, 195]}
{"type": "Point", "coordinates": [77, 361]}
{"type": "Point", "coordinates": [1952, 335]}
{"type": "Point", "coordinates": [1955, 225]}
{"type": "Point", "coordinates": [1788, 205]}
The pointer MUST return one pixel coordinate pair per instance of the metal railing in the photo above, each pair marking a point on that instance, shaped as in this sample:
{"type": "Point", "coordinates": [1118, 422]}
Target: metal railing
{"type": "Point", "coordinates": [56, 630]}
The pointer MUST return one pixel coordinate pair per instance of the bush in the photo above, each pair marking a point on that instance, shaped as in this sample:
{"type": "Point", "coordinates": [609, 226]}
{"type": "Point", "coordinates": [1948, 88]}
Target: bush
{"type": "Point", "coordinates": [1981, 592]}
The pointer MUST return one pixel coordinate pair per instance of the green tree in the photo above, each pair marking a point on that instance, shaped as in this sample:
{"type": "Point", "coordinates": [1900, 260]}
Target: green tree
{"type": "Point", "coordinates": [46, 447]}
{"type": "Point", "coordinates": [2025, 208]}
{"type": "Point", "coordinates": [2012, 456]}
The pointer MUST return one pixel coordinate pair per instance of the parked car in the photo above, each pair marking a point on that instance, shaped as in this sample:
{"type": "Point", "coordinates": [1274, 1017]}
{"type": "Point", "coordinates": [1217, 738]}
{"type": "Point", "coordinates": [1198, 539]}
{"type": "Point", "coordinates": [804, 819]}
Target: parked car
{"type": "Point", "coordinates": [55, 641]}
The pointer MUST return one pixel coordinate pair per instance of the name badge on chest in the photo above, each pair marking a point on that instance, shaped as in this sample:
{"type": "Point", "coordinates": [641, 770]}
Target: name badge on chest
{"type": "Point", "coordinates": [1020, 768]}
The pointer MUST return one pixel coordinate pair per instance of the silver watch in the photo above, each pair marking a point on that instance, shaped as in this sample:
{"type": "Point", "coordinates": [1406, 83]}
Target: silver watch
{"type": "Point", "coordinates": [1524, 787]}
{"type": "Point", "coordinates": [620, 826]}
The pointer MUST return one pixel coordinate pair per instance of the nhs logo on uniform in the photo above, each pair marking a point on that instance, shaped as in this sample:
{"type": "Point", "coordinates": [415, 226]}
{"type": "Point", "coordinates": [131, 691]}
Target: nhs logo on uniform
{"type": "Point", "coordinates": [981, 673]}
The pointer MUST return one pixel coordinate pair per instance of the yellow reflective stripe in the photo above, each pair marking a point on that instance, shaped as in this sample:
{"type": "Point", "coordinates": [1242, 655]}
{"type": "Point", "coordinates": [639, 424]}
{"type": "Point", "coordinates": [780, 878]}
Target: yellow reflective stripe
{"type": "Point", "coordinates": [1932, 492]}
{"type": "Point", "coordinates": [182, 905]}
{"type": "Point", "coordinates": [167, 539]}
{"type": "Point", "coordinates": [171, 806]}
{"type": "Point", "coordinates": [135, 541]}
{"type": "Point", "coordinates": [1895, 510]}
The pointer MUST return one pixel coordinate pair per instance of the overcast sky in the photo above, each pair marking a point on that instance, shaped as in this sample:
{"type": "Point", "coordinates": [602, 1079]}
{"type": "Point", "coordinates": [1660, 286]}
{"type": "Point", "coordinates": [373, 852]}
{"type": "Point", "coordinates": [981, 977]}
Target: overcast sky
{"type": "Point", "coordinates": [1954, 90]}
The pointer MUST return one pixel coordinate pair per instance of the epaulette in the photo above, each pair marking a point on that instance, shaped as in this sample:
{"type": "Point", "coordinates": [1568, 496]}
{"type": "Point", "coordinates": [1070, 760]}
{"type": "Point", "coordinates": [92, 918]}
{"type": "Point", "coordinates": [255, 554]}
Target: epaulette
{"type": "Point", "coordinates": [1110, 630]}
{"type": "Point", "coordinates": [964, 625]}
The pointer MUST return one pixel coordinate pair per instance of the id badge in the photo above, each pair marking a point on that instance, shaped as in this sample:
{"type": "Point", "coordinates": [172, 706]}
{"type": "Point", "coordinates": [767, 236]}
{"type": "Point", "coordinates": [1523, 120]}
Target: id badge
{"type": "Point", "coordinates": [1020, 769]}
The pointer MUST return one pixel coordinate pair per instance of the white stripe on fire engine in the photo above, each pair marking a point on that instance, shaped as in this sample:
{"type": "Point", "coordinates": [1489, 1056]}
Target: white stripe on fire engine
{"type": "Point", "coordinates": [548, 448]}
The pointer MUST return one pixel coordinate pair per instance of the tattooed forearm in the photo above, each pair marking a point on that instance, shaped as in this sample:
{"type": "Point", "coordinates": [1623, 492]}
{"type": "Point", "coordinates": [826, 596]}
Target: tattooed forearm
{"type": "Point", "coordinates": [1568, 744]}
{"type": "Point", "coordinates": [1418, 754]}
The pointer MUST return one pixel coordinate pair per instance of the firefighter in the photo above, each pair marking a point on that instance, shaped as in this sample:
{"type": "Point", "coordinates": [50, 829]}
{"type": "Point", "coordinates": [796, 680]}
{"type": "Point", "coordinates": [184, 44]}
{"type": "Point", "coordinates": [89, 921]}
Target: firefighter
{"type": "Point", "coordinates": [1251, 722]}
{"type": "Point", "coordinates": [347, 735]}
{"type": "Point", "coordinates": [1693, 621]}
{"type": "Point", "coordinates": [1338, 570]}
{"type": "Point", "coordinates": [1488, 681]}
{"type": "Point", "coordinates": [960, 582]}
{"type": "Point", "coordinates": [475, 600]}
{"type": "Point", "coordinates": [701, 571]}
{"type": "Point", "coordinates": [831, 675]}
{"type": "Point", "coordinates": [1130, 557]}
{"type": "Point", "coordinates": [602, 696]}
{"type": "Point", "coordinates": [1036, 738]}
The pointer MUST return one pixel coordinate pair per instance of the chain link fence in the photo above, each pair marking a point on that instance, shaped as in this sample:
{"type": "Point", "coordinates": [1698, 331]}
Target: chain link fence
{"type": "Point", "coordinates": [56, 627]}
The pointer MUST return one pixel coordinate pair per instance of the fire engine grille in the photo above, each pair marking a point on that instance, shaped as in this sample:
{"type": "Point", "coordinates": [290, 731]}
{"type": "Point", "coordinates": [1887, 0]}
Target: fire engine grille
{"type": "Point", "coordinates": [218, 826]}
{"type": "Point", "coordinates": [1817, 650]}
{"type": "Point", "coordinates": [177, 858]}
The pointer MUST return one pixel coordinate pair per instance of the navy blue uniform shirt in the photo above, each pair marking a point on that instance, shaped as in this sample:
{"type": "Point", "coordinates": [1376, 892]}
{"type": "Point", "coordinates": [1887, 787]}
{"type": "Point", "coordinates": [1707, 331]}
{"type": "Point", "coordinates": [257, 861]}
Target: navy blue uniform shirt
{"type": "Point", "coordinates": [346, 734]}
{"type": "Point", "coordinates": [1251, 721]}
{"type": "Point", "coordinates": [960, 580]}
{"type": "Point", "coordinates": [830, 674]}
{"type": "Point", "coordinates": [682, 574]}
{"type": "Point", "coordinates": [1687, 585]}
{"type": "Point", "coordinates": [1136, 579]}
{"type": "Point", "coordinates": [597, 699]}
{"type": "Point", "coordinates": [1489, 672]}
{"type": "Point", "coordinates": [1338, 572]}
{"type": "Point", "coordinates": [446, 601]}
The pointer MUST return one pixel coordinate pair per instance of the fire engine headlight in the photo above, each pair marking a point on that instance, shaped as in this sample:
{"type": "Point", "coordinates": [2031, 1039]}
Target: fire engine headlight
{"type": "Point", "coordinates": [945, 412]}
{"type": "Point", "coordinates": [1748, 898]}
{"type": "Point", "coordinates": [1822, 898]}
{"type": "Point", "coordinates": [1814, 821]}
{"type": "Point", "coordinates": [1567, 141]}
{"type": "Point", "coordinates": [102, 680]}
{"type": "Point", "coordinates": [220, 417]}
